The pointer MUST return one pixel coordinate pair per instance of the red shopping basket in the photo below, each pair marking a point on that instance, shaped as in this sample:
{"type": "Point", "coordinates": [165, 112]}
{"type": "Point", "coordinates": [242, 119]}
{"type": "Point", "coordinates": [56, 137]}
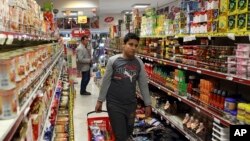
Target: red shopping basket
{"type": "Point", "coordinates": [104, 125]}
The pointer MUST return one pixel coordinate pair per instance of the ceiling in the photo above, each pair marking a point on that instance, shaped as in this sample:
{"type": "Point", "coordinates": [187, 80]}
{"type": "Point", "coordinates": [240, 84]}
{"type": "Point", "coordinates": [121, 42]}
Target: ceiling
{"type": "Point", "coordinates": [103, 7]}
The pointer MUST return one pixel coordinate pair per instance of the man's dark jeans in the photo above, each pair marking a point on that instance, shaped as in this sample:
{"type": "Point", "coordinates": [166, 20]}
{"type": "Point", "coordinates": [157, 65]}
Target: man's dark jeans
{"type": "Point", "coordinates": [85, 81]}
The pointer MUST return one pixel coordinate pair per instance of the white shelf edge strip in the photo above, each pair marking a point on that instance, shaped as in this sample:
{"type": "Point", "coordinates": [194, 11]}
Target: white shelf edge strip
{"type": "Point", "coordinates": [48, 113]}
{"type": "Point", "coordinates": [11, 122]}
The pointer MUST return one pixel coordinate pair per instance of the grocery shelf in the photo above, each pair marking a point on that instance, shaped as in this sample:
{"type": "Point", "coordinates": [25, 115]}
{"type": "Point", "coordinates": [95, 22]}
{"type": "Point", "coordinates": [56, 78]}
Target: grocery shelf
{"type": "Point", "coordinates": [25, 36]}
{"type": "Point", "coordinates": [174, 121]}
{"type": "Point", "coordinates": [46, 120]}
{"type": "Point", "coordinates": [219, 34]}
{"type": "Point", "coordinates": [113, 49]}
{"type": "Point", "coordinates": [9, 127]}
{"type": "Point", "coordinates": [220, 75]}
{"type": "Point", "coordinates": [217, 118]}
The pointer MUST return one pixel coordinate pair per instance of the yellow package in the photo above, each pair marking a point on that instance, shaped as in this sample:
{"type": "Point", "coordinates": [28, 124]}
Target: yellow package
{"type": "Point", "coordinates": [222, 23]}
{"type": "Point", "coordinates": [223, 6]}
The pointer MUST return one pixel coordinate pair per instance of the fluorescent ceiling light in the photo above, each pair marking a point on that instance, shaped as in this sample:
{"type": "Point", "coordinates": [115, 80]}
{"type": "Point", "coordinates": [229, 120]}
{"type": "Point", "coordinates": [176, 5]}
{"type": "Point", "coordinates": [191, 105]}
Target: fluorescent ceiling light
{"type": "Point", "coordinates": [140, 5]}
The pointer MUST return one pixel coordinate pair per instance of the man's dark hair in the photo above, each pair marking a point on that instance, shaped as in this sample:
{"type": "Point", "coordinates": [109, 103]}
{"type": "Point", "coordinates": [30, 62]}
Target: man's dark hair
{"type": "Point", "coordinates": [84, 37]}
{"type": "Point", "coordinates": [130, 36]}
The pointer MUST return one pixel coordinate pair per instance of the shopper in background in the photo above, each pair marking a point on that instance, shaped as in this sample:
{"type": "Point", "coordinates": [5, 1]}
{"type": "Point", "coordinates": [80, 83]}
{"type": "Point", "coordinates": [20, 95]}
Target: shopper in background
{"type": "Point", "coordinates": [119, 88]}
{"type": "Point", "coordinates": [83, 62]}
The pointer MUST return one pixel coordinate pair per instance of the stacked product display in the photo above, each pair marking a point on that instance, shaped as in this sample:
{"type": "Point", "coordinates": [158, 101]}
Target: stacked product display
{"type": "Point", "coordinates": [60, 123]}
{"type": "Point", "coordinates": [24, 16]}
{"type": "Point", "coordinates": [32, 126]}
{"type": "Point", "coordinates": [202, 18]}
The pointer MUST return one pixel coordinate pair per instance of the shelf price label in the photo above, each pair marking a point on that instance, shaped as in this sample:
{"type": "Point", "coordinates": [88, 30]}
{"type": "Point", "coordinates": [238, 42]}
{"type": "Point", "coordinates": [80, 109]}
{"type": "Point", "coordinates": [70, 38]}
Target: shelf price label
{"type": "Point", "coordinates": [185, 68]}
{"type": "Point", "coordinates": [229, 78]}
{"type": "Point", "coordinates": [179, 99]}
{"type": "Point", "coordinates": [216, 120]}
{"type": "Point", "coordinates": [159, 87]}
{"type": "Point", "coordinates": [26, 111]}
{"type": "Point", "coordinates": [172, 125]}
{"type": "Point", "coordinates": [10, 39]}
{"type": "Point", "coordinates": [179, 66]}
{"type": "Point", "coordinates": [167, 121]}
{"type": "Point", "coordinates": [231, 36]}
{"type": "Point", "coordinates": [198, 71]}
{"type": "Point", "coordinates": [197, 109]}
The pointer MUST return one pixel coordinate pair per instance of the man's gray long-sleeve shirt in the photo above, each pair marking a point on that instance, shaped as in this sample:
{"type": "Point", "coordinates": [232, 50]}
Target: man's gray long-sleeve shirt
{"type": "Point", "coordinates": [119, 81]}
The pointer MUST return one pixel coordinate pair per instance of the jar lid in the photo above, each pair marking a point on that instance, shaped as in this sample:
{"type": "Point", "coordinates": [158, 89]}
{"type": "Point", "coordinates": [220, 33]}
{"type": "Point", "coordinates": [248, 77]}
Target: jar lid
{"type": "Point", "coordinates": [230, 99]}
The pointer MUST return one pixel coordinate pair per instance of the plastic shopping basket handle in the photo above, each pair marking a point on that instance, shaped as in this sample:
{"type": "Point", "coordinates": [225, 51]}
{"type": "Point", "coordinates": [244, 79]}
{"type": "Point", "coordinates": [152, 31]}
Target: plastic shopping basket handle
{"type": "Point", "coordinates": [95, 112]}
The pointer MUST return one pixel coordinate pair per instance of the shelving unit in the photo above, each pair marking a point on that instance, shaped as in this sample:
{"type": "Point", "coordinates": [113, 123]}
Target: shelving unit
{"type": "Point", "coordinates": [49, 110]}
{"type": "Point", "coordinates": [174, 121]}
{"type": "Point", "coordinates": [8, 127]}
{"type": "Point", "coordinates": [217, 118]}
{"type": "Point", "coordinates": [197, 70]}
{"type": "Point", "coordinates": [200, 35]}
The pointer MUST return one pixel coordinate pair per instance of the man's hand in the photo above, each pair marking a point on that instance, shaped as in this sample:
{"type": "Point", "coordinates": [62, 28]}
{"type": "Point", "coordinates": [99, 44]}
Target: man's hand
{"type": "Point", "coordinates": [148, 111]}
{"type": "Point", "coordinates": [98, 106]}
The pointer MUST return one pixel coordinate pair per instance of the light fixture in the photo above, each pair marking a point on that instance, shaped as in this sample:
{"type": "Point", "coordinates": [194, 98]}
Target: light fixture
{"type": "Point", "coordinates": [140, 5]}
{"type": "Point", "coordinates": [126, 12]}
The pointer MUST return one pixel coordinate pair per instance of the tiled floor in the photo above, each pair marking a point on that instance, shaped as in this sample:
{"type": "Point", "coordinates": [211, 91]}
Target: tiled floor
{"type": "Point", "coordinates": [83, 105]}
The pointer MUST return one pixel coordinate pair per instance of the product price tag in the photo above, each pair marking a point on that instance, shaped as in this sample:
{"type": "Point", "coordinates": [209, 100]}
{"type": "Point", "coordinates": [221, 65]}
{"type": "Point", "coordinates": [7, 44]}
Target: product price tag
{"type": "Point", "coordinates": [10, 40]}
{"type": "Point", "coordinates": [229, 78]}
{"type": "Point", "coordinates": [179, 66]}
{"type": "Point", "coordinates": [167, 121]}
{"type": "Point", "coordinates": [26, 111]}
{"type": "Point", "coordinates": [197, 109]}
{"type": "Point", "coordinates": [189, 38]}
{"type": "Point", "coordinates": [216, 120]}
{"type": "Point", "coordinates": [176, 36]}
{"type": "Point", "coordinates": [198, 71]}
{"type": "Point", "coordinates": [169, 93]}
{"type": "Point", "coordinates": [231, 36]}
{"type": "Point", "coordinates": [209, 37]}
{"type": "Point", "coordinates": [187, 137]}
{"type": "Point", "coordinates": [179, 99]}
{"type": "Point", "coordinates": [2, 39]}
{"type": "Point", "coordinates": [185, 68]}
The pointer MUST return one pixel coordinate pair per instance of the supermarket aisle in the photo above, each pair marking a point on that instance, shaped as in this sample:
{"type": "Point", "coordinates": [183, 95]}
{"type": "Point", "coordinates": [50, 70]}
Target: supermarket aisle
{"type": "Point", "coordinates": [83, 105]}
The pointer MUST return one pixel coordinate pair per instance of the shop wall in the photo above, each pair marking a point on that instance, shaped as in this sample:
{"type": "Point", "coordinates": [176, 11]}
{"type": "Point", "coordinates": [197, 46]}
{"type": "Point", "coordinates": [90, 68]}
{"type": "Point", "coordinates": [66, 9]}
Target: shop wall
{"type": "Point", "coordinates": [105, 25]}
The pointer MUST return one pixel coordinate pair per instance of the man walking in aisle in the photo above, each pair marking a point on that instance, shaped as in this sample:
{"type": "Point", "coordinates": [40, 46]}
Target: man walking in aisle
{"type": "Point", "coordinates": [83, 62]}
{"type": "Point", "coordinates": [119, 88]}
